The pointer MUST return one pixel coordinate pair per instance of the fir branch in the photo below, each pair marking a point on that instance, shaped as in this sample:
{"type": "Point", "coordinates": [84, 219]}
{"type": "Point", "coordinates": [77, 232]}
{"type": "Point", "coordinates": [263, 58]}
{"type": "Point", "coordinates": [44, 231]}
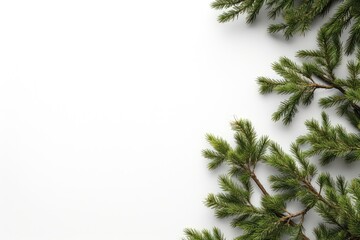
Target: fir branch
{"type": "Point", "coordinates": [295, 184]}
{"type": "Point", "coordinates": [235, 200]}
{"type": "Point", "coordinates": [295, 215]}
{"type": "Point", "coordinates": [258, 183]}
{"type": "Point", "coordinates": [302, 81]}
{"type": "Point", "coordinates": [192, 234]}
{"type": "Point", "coordinates": [330, 142]}
{"type": "Point", "coordinates": [298, 17]}
{"type": "Point", "coordinates": [336, 201]}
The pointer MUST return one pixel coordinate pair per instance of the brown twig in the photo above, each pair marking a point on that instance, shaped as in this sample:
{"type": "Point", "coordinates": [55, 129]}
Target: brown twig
{"type": "Point", "coordinates": [318, 195]}
{"type": "Point", "coordinates": [331, 84]}
{"type": "Point", "coordinates": [316, 85]}
{"type": "Point", "coordinates": [280, 215]}
{"type": "Point", "coordinates": [294, 215]}
{"type": "Point", "coordinates": [258, 183]}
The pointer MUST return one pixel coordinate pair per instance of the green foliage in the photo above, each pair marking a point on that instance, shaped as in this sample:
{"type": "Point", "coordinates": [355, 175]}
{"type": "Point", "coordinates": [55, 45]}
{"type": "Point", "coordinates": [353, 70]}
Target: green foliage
{"type": "Point", "coordinates": [317, 72]}
{"type": "Point", "coordinates": [298, 16]}
{"type": "Point", "coordinates": [296, 179]}
{"type": "Point", "coordinates": [336, 201]}
{"type": "Point", "coordinates": [341, 210]}
{"type": "Point", "coordinates": [192, 234]}
{"type": "Point", "coordinates": [330, 142]}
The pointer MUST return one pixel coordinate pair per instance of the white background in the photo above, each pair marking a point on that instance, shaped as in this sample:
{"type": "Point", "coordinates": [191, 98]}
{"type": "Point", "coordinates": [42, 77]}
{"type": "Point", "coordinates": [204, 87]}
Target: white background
{"type": "Point", "coordinates": [103, 110]}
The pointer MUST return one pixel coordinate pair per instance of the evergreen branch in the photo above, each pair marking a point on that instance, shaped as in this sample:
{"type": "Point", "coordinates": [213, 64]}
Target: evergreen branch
{"type": "Point", "coordinates": [300, 188]}
{"type": "Point", "coordinates": [345, 213]}
{"type": "Point", "coordinates": [302, 81]}
{"type": "Point", "coordinates": [279, 205]}
{"type": "Point", "coordinates": [330, 83]}
{"type": "Point", "coordinates": [224, 4]}
{"type": "Point", "coordinates": [316, 86]}
{"type": "Point", "coordinates": [330, 142]}
{"type": "Point", "coordinates": [294, 215]}
{"type": "Point", "coordinates": [192, 234]}
{"type": "Point", "coordinates": [235, 200]}
{"type": "Point", "coordinates": [229, 15]}
{"type": "Point", "coordinates": [337, 202]}
{"type": "Point", "coordinates": [258, 183]}
{"type": "Point", "coordinates": [316, 193]}
{"type": "Point", "coordinates": [299, 17]}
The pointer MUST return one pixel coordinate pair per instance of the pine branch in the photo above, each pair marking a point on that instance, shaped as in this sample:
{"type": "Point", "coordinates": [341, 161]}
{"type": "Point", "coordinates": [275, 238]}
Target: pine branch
{"type": "Point", "coordinates": [299, 17]}
{"type": "Point", "coordinates": [294, 215]}
{"type": "Point", "coordinates": [336, 201]}
{"type": "Point", "coordinates": [235, 201]}
{"type": "Point", "coordinates": [295, 183]}
{"type": "Point", "coordinates": [345, 215]}
{"type": "Point", "coordinates": [259, 184]}
{"type": "Point", "coordinates": [330, 142]}
{"type": "Point", "coordinates": [316, 73]}
{"type": "Point", "coordinates": [192, 234]}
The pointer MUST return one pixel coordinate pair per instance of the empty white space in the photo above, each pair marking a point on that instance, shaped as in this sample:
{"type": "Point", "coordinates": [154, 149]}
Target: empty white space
{"type": "Point", "coordinates": [103, 110]}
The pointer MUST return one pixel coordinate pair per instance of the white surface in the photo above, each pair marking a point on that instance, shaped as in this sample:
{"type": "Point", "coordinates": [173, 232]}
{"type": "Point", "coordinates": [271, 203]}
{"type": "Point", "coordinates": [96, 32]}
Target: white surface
{"type": "Point", "coordinates": [103, 110]}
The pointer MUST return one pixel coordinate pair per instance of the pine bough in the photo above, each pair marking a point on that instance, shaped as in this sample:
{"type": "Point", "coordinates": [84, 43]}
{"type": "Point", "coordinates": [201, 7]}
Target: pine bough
{"type": "Point", "coordinates": [335, 199]}
{"type": "Point", "coordinates": [298, 16]}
